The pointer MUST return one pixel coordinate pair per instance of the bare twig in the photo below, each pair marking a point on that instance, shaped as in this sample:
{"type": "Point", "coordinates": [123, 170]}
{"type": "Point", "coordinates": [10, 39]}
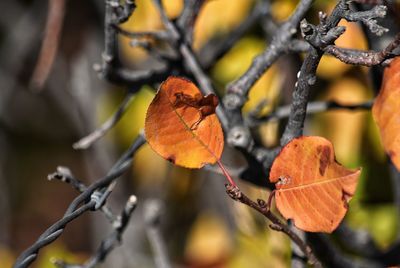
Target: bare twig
{"type": "Point", "coordinates": [238, 90]}
{"type": "Point", "coordinates": [239, 135]}
{"type": "Point", "coordinates": [261, 206]}
{"type": "Point", "coordinates": [50, 43]}
{"type": "Point", "coordinates": [312, 108]}
{"type": "Point", "coordinates": [188, 18]}
{"type": "Point", "coordinates": [191, 62]}
{"type": "Point", "coordinates": [64, 174]}
{"type": "Point", "coordinates": [319, 37]}
{"type": "Point", "coordinates": [215, 49]}
{"type": "Point", "coordinates": [85, 142]}
{"type": "Point", "coordinates": [111, 67]}
{"type": "Point", "coordinates": [156, 35]}
{"type": "Point", "coordinates": [152, 217]}
{"type": "Point", "coordinates": [365, 58]}
{"type": "Point", "coordinates": [368, 18]}
{"type": "Point", "coordinates": [172, 30]}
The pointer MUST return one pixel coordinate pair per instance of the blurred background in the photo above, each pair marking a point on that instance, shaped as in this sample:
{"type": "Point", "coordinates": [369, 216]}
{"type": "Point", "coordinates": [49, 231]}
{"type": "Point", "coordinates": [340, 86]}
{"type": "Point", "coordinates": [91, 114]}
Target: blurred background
{"type": "Point", "coordinates": [201, 225]}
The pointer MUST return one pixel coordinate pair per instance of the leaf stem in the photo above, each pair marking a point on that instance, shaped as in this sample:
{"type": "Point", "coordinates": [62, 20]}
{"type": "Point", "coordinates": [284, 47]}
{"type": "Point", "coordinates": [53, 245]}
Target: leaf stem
{"type": "Point", "coordinates": [225, 172]}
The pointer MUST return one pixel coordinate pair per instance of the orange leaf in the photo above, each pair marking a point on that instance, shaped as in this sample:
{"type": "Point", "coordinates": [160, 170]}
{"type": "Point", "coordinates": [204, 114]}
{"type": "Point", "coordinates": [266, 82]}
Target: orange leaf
{"type": "Point", "coordinates": [311, 187]}
{"type": "Point", "coordinates": [181, 124]}
{"type": "Point", "coordinates": [386, 111]}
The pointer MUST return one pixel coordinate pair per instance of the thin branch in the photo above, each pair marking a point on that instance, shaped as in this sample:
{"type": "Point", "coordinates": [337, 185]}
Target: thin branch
{"type": "Point", "coordinates": [191, 62]}
{"type": "Point", "coordinates": [64, 174]}
{"type": "Point", "coordinates": [237, 91]}
{"type": "Point", "coordinates": [48, 51]}
{"type": "Point", "coordinates": [152, 50]}
{"type": "Point", "coordinates": [319, 37]}
{"type": "Point", "coordinates": [312, 108]}
{"type": "Point", "coordinates": [110, 54]}
{"type": "Point", "coordinates": [188, 18]}
{"type": "Point", "coordinates": [152, 217]}
{"type": "Point", "coordinates": [268, 22]}
{"type": "Point", "coordinates": [215, 49]}
{"type": "Point", "coordinates": [261, 206]}
{"type": "Point", "coordinates": [155, 35]}
{"type": "Point", "coordinates": [294, 127]}
{"type": "Point", "coordinates": [365, 58]}
{"type": "Point", "coordinates": [369, 18]}
{"type": "Point", "coordinates": [167, 23]}
{"type": "Point", "coordinates": [111, 67]}
{"type": "Point", "coordinates": [239, 135]}
{"type": "Point", "coordinates": [203, 80]}
{"type": "Point", "coordinates": [87, 141]}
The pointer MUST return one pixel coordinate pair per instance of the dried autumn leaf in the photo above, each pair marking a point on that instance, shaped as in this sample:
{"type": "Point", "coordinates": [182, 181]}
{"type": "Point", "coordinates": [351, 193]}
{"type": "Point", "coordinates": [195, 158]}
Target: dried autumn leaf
{"type": "Point", "coordinates": [311, 187]}
{"type": "Point", "coordinates": [181, 124]}
{"type": "Point", "coordinates": [386, 111]}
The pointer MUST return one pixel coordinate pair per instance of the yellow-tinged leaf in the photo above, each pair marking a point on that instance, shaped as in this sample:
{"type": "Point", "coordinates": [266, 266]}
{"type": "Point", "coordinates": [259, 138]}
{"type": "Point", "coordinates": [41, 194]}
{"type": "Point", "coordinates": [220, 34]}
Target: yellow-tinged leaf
{"type": "Point", "coordinates": [181, 124]}
{"type": "Point", "coordinates": [311, 187]}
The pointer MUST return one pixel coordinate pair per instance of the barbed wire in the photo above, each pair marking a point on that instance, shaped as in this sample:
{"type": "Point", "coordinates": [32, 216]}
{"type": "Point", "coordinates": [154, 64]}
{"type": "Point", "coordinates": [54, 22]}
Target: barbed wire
{"type": "Point", "coordinates": [91, 199]}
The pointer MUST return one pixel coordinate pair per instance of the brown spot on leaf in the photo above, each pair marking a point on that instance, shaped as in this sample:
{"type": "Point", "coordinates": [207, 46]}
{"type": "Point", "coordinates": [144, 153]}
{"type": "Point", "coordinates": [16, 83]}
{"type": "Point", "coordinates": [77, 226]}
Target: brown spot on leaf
{"type": "Point", "coordinates": [171, 159]}
{"type": "Point", "coordinates": [325, 153]}
{"type": "Point", "coordinates": [338, 184]}
{"type": "Point", "coordinates": [181, 104]}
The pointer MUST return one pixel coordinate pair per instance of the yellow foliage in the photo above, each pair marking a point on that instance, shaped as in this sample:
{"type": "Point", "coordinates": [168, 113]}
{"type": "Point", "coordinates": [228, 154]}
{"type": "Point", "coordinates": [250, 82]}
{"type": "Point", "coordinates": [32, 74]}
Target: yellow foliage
{"type": "Point", "coordinates": [344, 128]}
{"type": "Point", "coordinates": [208, 242]}
{"type": "Point", "coordinates": [237, 61]}
{"type": "Point", "coordinates": [234, 64]}
{"type": "Point", "coordinates": [381, 221]}
{"type": "Point", "coordinates": [263, 249]}
{"type": "Point", "coordinates": [146, 18]}
{"type": "Point", "coordinates": [6, 257]}
{"type": "Point", "coordinates": [282, 9]}
{"type": "Point", "coordinates": [133, 120]}
{"type": "Point", "coordinates": [143, 167]}
{"type": "Point", "coordinates": [219, 17]}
